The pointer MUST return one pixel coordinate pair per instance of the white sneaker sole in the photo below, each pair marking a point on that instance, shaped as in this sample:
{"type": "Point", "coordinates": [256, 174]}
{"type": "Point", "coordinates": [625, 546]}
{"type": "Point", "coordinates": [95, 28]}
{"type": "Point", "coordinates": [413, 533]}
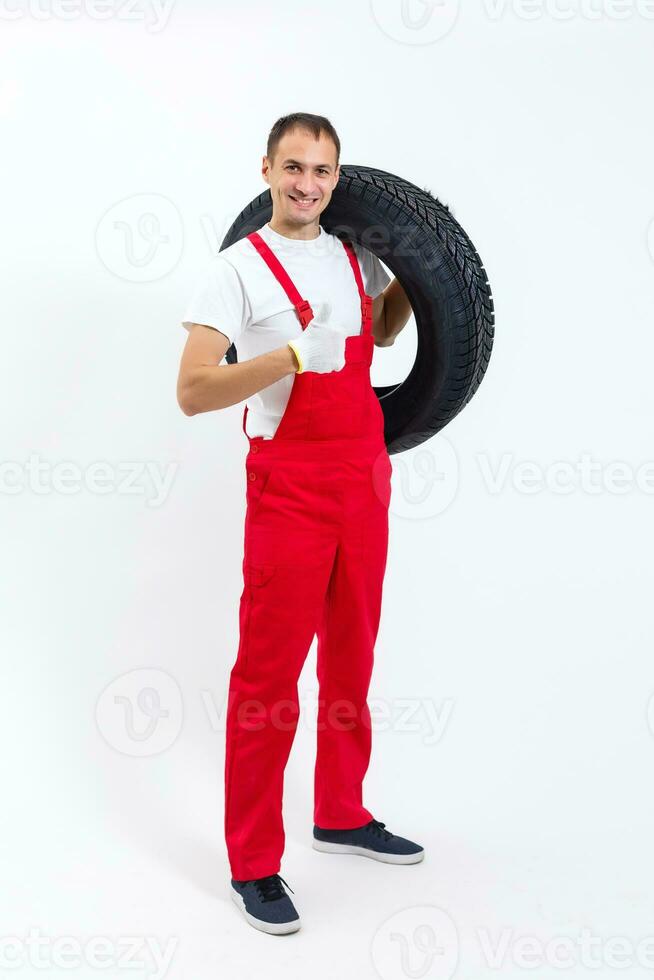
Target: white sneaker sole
{"type": "Point", "coordinates": [329, 848]}
{"type": "Point", "coordinates": [272, 928]}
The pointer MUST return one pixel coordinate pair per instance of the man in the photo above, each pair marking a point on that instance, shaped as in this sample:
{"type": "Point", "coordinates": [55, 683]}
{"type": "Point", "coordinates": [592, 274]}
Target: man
{"type": "Point", "coordinates": [306, 310]}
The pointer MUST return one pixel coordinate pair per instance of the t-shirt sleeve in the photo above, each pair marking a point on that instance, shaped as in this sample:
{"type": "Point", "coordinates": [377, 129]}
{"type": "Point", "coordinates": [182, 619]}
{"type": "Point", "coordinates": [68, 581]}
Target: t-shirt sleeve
{"type": "Point", "coordinates": [375, 277]}
{"type": "Point", "coordinates": [219, 300]}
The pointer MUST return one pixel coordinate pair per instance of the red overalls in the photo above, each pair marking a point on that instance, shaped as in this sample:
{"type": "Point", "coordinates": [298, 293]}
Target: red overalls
{"type": "Point", "coordinates": [316, 536]}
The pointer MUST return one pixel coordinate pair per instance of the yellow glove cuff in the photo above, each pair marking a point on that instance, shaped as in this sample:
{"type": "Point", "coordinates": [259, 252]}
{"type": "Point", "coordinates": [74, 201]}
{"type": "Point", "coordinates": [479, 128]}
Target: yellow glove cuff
{"type": "Point", "coordinates": [299, 359]}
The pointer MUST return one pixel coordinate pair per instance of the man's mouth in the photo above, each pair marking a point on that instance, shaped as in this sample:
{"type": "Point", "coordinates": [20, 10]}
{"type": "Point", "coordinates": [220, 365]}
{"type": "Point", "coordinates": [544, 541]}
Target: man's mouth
{"type": "Point", "coordinates": [304, 203]}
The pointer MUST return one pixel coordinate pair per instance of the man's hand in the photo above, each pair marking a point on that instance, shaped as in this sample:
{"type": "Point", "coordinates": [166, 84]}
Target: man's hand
{"type": "Point", "coordinates": [319, 348]}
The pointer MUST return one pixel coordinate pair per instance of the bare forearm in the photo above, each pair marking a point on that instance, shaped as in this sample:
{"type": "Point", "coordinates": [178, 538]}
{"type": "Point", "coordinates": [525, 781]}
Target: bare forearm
{"type": "Point", "coordinates": [212, 387]}
{"type": "Point", "coordinates": [397, 311]}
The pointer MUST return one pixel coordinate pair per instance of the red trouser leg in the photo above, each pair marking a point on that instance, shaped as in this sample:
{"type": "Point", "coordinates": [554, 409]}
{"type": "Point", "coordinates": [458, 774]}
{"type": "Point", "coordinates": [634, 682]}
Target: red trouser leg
{"type": "Point", "coordinates": [279, 613]}
{"type": "Point", "coordinates": [346, 640]}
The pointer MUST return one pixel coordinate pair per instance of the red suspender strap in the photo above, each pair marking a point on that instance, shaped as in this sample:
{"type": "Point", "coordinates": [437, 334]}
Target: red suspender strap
{"type": "Point", "coordinates": [302, 307]}
{"type": "Point", "coordinates": [366, 301]}
{"type": "Point", "coordinates": [355, 266]}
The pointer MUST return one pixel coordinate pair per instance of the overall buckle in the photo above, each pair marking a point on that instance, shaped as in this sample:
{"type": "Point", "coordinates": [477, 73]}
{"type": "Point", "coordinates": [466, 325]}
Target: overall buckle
{"type": "Point", "coordinates": [304, 312]}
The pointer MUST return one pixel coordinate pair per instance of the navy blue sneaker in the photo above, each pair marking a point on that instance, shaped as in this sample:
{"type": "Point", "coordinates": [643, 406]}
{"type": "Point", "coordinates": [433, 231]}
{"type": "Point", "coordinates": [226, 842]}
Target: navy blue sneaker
{"type": "Point", "coordinates": [372, 840]}
{"type": "Point", "coordinates": [265, 904]}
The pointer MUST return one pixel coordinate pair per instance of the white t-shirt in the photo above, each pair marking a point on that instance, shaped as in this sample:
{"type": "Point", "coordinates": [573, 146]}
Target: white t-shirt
{"type": "Point", "coordinates": [238, 295]}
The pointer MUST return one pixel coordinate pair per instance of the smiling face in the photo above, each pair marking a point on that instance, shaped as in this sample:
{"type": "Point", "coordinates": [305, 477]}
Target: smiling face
{"type": "Point", "coordinates": [302, 176]}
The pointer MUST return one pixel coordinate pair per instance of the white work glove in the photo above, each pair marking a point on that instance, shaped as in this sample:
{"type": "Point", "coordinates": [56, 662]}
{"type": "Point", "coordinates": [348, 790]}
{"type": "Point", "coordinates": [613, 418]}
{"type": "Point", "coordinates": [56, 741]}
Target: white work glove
{"type": "Point", "coordinates": [320, 347]}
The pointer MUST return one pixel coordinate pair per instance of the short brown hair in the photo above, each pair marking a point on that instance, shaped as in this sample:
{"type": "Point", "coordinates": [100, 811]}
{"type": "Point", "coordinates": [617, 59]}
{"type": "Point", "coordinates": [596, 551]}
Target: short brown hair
{"type": "Point", "coordinates": [302, 120]}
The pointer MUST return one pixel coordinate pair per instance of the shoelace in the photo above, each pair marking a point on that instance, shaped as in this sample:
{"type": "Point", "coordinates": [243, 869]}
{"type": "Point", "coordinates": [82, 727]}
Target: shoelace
{"type": "Point", "coordinates": [270, 888]}
{"type": "Point", "coordinates": [377, 827]}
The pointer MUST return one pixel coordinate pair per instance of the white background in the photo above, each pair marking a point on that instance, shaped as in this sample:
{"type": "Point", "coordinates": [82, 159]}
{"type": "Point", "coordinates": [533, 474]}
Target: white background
{"type": "Point", "coordinates": [517, 601]}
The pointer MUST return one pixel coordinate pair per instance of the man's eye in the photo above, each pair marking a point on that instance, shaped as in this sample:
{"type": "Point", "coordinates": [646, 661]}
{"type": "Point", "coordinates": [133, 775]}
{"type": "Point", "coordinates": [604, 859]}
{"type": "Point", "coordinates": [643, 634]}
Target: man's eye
{"type": "Point", "coordinates": [293, 166]}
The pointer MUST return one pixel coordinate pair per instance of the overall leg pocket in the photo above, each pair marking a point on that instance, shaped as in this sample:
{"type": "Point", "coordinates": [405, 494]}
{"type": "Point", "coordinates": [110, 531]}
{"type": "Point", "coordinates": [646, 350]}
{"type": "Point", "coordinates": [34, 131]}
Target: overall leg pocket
{"type": "Point", "coordinates": [257, 473]}
{"type": "Point", "coordinates": [257, 574]}
{"type": "Point", "coordinates": [257, 605]}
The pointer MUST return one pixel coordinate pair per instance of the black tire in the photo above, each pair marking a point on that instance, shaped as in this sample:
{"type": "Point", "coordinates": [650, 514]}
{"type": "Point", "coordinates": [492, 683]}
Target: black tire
{"type": "Point", "coordinates": [426, 248]}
